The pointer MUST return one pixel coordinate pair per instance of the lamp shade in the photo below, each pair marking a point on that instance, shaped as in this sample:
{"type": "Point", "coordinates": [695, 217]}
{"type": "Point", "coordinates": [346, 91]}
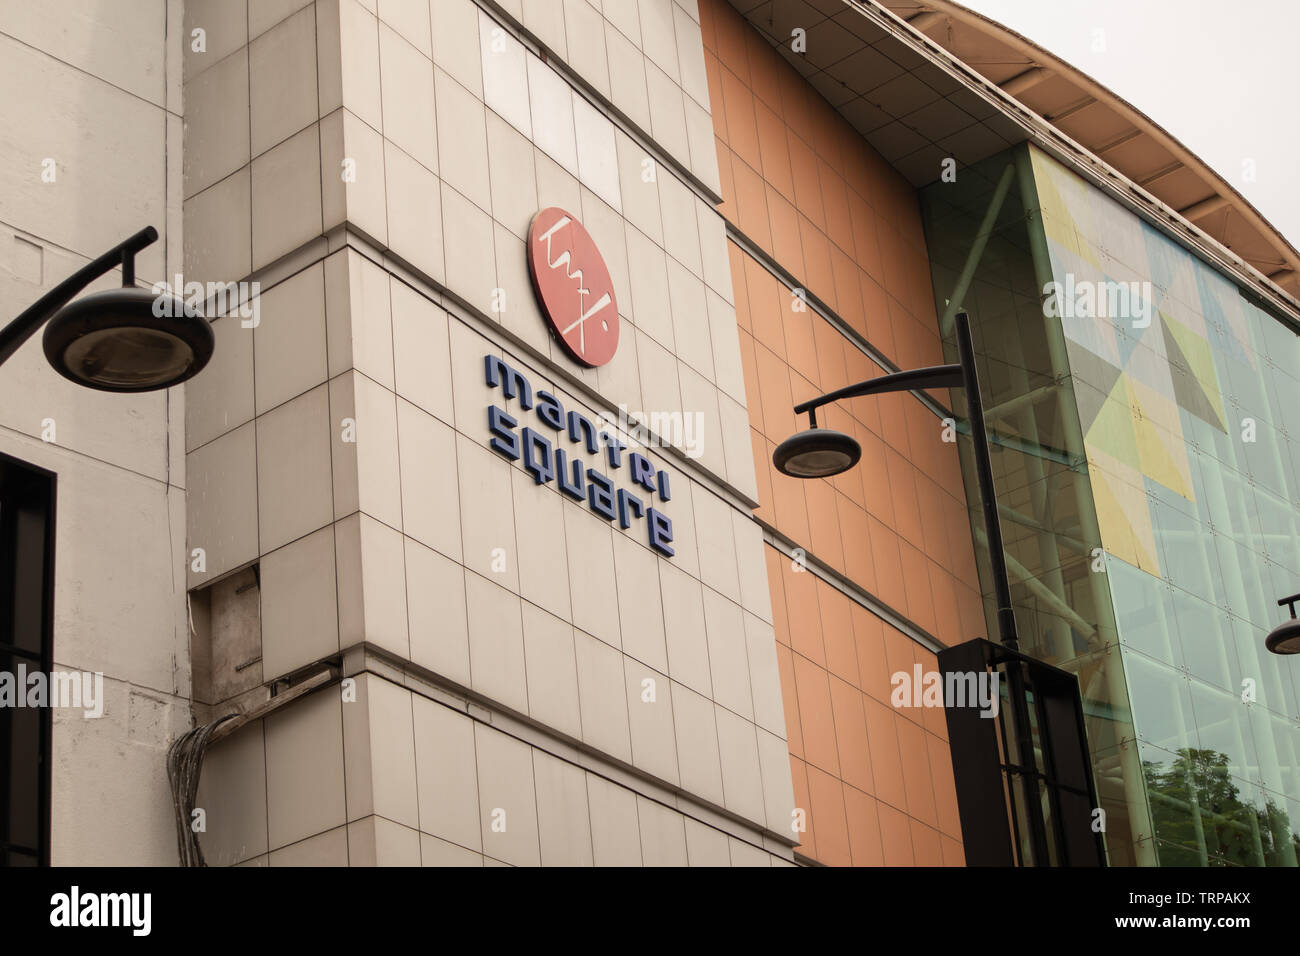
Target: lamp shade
{"type": "Point", "coordinates": [128, 340]}
{"type": "Point", "coordinates": [816, 453]}
{"type": "Point", "coordinates": [1285, 638]}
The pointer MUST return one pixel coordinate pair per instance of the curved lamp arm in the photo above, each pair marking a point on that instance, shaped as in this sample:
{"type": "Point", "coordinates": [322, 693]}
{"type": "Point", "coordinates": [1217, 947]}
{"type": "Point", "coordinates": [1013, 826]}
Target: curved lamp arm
{"type": "Point", "coordinates": [13, 335]}
{"type": "Point", "coordinates": [961, 375]}
{"type": "Point", "coordinates": [937, 376]}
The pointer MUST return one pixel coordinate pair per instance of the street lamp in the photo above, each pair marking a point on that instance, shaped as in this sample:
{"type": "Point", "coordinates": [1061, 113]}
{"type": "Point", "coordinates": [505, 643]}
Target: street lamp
{"type": "Point", "coordinates": [1285, 638]}
{"type": "Point", "coordinates": [823, 452]}
{"type": "Point", "coordinates": [121, 340]}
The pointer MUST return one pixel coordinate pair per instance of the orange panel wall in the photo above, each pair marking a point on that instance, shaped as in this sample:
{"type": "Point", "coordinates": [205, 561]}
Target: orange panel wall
{"type": "Point", "coordinates": [803, 187]}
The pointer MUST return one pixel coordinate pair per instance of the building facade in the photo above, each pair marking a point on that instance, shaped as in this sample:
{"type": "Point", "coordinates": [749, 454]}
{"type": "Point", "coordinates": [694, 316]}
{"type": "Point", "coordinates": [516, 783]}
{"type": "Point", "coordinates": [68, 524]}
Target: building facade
{"type": "Point", "coordinates": [489, 583]}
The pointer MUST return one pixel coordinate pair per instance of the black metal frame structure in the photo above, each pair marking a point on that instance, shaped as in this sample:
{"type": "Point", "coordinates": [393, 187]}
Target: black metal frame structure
{"type": "Point", "coordinates": [1023, 800]}
{"type": "Point", "coordinates": [27, 534]}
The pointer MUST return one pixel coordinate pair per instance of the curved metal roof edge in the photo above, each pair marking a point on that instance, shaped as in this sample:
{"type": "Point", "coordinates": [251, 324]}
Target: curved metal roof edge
{"type": "Point", "coordinates": [1082, 159]}
{"type": "Point", "coordinates": [1102, 92]}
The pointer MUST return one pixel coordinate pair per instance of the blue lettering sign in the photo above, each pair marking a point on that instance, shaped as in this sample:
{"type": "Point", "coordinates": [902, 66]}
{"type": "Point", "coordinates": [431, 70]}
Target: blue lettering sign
{"type": "Point", "coordinates": [537, 465]}
{"type": "Point", "coordinates": [581, 423]}
{"type": "Point", "coordinates": [629, 506]}
{"type": "Point", "coordinates": [661, 531]}
{"type": "Point", "coordinates": [504, 438]}
{"type": "Point", "coordinates": [643, 473]}
{"type": "Point", "coordinates": [562, 475]}
{"type": "Point", "coordinates": [543, 461]}
{"type": "Point", "coordinates": [550, 411]}
{"type": "Point", "coordinates": [600, 494]}
{"type": "Point", "coordinates": [511, 382]}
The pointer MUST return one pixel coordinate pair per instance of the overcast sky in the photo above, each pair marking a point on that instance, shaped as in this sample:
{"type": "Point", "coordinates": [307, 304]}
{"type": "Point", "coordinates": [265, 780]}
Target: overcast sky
{"type": "Point", "coordinates": [1221, 77]}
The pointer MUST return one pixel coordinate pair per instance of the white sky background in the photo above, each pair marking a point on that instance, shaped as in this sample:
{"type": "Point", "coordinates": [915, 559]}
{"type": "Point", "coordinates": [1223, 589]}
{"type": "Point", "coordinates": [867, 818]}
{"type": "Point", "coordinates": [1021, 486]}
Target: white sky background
{"type": "Point", "coordinates": [1220, 77]}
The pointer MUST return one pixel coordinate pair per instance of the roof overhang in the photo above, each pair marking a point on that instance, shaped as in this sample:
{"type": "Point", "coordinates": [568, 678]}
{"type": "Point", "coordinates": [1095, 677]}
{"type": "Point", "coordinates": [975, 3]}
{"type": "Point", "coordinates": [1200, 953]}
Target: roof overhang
{"type": "Point", "coordinates": [978, 88]}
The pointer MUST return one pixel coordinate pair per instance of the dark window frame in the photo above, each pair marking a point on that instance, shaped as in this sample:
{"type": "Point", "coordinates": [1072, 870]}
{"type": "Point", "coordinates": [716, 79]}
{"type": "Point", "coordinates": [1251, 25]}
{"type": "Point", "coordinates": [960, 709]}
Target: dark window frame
{"type": "Point", "coordinates": [25, 487]}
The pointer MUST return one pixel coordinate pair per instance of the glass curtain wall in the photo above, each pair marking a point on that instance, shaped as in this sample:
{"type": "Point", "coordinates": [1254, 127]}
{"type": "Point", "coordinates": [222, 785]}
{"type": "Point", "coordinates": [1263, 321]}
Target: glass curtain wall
{"type": "Point", "coordinates": [987, 258]}
{"type": "Point", "coordinates": [1147, 421]}
{"type": "Point", "coordinates": [1190, 406]}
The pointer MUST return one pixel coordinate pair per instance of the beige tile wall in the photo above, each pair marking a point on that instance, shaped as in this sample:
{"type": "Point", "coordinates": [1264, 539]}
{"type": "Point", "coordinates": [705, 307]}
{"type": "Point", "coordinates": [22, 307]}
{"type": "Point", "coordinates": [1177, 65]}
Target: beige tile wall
{"type": "Point", "coordinates": [394, 778]}
{"type": "Point", "coordinates": [454, 146]}
{"type": "Point", "coordinates": [392, 540]}
{"type": "Point", "coordinates": [646, 58]}
{"type": "Point", "coordinates": [264, 176]}
{"type": "Point", "coordinates": [92, 94]}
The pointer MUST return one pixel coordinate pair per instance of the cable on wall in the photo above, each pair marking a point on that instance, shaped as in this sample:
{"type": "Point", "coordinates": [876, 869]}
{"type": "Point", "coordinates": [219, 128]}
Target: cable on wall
{"type": "Point", "coordinates": [184, 765]}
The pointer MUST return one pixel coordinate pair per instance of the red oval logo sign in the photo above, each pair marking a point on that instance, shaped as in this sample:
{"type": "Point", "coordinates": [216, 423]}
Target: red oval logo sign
{"type": "Point", "coordinates": [573, 286]}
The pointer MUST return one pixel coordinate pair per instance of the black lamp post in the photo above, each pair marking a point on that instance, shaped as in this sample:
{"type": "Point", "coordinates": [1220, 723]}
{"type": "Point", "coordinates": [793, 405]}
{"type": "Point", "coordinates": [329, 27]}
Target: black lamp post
{"type": "Point", "coordinates": [121, 340]}
{"type": "Point", "coordinates": [1285, 638]}
{"type": "Point", "coordinates": [822, 452]}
